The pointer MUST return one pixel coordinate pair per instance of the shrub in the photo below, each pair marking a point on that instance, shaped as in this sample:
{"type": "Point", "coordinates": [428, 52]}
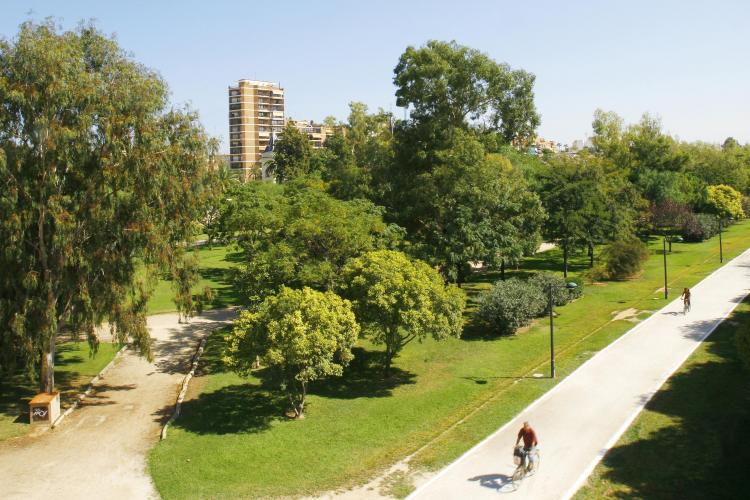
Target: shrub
{"type": "Point", "coordinates": [624, 258]}
{"type": "Point", "coordinates": [746, 205]}
{"type": "Point", "coordinates": [510, 305]}
{"type": "Point", "coordinates": [561, 295]}
{"type": "Point", "coordinates": [699, 227]}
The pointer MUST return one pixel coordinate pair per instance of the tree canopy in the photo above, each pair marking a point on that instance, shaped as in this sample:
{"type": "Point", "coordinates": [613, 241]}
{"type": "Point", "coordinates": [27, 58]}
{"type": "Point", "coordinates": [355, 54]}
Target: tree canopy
{"type": "Point", "coordinates": [292, 155]}
{"type": "Point", "coordinates": [588, 201]}
{"type": "Point", "coordinates": [301, 335]}
{"type": "Point", "coordinates": [398, 300]}
{"type": "Point", "coordinates": [99, 176]}
{"type": "Point", "coordinates": [298, 235]}
{"type": "Point", "coordinates": [725, 201]}
{"type": "Point", "coordinates": [451, 85]}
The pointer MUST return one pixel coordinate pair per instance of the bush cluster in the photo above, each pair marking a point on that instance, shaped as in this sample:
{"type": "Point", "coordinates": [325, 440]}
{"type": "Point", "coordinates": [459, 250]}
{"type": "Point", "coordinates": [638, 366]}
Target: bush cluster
{"type": "Point", "coordinates": [699, 227]}
{"type": "Point", "coordinates": [513, 303]}
{"type": "Point", "coordinates": [624, 258]}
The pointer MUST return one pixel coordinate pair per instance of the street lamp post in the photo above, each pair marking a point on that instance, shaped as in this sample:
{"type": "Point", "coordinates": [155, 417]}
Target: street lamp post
{"type": "Point", "coordinates": [664, 245]}
{"type": "Point", "coordinates": [721, 247]}
{"type": "Point", "coordinates": [551, 335]}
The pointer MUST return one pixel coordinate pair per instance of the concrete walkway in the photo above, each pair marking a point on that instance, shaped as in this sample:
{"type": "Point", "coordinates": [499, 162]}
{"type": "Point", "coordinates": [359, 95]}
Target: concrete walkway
{"type": "Point", "coordinates": [582, 417]}
{"type": "Point", "coordinates": [99, 451]}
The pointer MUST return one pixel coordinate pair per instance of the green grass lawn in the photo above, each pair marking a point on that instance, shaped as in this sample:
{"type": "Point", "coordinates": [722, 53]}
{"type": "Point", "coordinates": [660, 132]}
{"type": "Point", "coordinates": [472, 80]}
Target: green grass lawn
{"type": "Point", "coordinates": [238, 445]}
{"type": "Point", "coordinates": [74, 369]}
{"type": "Point", "coordinates": [215, 267]}
{"type": "Point", "coordinates": [693, 438]}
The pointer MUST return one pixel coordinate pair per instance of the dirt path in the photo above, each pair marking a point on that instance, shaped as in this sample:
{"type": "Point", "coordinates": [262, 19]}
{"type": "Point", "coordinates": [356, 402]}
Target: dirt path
{"type": "Point", "coordinates": [99, 451]}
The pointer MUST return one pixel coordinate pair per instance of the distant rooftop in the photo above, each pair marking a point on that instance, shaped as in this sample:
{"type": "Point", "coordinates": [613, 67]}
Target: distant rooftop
{"type": "Point", "coordinates": [260, 83]}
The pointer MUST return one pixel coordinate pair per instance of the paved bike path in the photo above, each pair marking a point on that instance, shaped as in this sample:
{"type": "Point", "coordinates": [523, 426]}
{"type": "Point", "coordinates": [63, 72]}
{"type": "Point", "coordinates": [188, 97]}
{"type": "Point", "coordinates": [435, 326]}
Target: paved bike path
{"type": "Point", "coordinates": [99, 450]}
{"type": "Point", "coordinates": [582, 417]}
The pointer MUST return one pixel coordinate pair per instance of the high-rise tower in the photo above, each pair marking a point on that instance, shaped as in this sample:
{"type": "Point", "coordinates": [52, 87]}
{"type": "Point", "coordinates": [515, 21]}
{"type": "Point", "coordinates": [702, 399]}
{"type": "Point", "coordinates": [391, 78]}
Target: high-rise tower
{"type": "Point", "coordinates": [256, 110]}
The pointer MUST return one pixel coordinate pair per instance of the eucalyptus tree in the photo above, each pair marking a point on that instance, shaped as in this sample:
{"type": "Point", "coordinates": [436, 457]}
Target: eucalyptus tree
{"type": "Point", "coordinates": [99, 177]}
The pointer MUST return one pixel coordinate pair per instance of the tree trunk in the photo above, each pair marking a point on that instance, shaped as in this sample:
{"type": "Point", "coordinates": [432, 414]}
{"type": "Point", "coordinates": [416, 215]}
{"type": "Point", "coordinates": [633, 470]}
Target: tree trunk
{"type": "Point", "coordinates": [565, 259]}
{"type": "Point", "coordinates": [502, 269]}
{"type": "Point", "coordinates": [301, 405]}
{"type": "Point", "coordinates": [591, 255]}
{"type": "Point", "coordinates": [389, 350]}
{"type": "Point", "coordinates": [47, 380]}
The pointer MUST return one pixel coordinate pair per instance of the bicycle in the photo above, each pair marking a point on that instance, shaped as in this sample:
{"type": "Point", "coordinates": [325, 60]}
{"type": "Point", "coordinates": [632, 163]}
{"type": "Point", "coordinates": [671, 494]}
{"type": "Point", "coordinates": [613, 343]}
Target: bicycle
{"type": "Point", "coordinates": [521, 458]}
{"type": "Point", "coordinates": [685, 307]}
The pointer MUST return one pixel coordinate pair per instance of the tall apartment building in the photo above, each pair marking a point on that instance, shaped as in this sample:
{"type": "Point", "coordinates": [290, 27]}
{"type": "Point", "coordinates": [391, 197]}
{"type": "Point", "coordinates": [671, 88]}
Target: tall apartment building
{"type": "Point", "coordinates": [256, 110]}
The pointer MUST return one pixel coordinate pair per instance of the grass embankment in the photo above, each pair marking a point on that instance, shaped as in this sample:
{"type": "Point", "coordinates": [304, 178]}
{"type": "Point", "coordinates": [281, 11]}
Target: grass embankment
{"type": "Point", "coordinates": [75, 366]}
{"type": "Point", "coordinates": [693, 438]}
{"type": "Point", "coordinates": [238, 446]}
{"type": "Point", "coordinates": [215, 270]}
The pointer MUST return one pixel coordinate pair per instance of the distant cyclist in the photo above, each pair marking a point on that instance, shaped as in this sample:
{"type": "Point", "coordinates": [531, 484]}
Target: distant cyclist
{"type": "Point", "coordinates": [530, 443]}
{"type": "Point", "coordinates": [685, 300]}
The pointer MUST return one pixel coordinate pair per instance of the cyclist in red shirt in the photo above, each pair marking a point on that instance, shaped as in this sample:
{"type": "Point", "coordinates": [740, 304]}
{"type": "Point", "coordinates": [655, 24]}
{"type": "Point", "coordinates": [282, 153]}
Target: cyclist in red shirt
{"type": "Point", "coordinates": [530, 443]}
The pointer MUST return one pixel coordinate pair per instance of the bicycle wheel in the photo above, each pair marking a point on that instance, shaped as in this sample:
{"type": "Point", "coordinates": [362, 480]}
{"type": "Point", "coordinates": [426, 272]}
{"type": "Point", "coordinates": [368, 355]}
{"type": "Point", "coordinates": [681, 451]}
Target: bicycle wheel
{"type": "Point", "coordinates": [537, 461]}
{"type": "Point", "coordinates": [518, 475]}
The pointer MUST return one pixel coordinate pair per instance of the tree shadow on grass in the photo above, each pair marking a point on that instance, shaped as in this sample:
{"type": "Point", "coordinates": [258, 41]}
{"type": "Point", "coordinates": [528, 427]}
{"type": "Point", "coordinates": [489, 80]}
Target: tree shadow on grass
{"type": "Point", "coordinates": [704, 452]}
{"type": "Point", "coordinates": [240, 408]}
{"type": "Point", "coordinates": [17, 390]}
{"type": "Point", "coordinates": [363, 378]}
{"type": "Point", "coordinates": [226, 294]}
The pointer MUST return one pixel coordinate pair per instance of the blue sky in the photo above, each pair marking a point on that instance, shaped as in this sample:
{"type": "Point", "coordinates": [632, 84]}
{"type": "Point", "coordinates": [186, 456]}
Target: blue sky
{"type": "Point", "coordinates": [685, 61]}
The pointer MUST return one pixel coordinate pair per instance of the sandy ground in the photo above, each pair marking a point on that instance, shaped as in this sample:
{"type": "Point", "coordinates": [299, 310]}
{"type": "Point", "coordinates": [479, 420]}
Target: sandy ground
{"type": "Point", "coordinates": [583, 416]}
{"type": "Point", "coordinates": [99, 450]}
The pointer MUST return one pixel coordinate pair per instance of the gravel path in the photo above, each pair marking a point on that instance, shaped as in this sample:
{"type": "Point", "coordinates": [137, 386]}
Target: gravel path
{"type": "Point", "coordinates": [99, 451]}
{"type": "Point", "coordinates": [584, 415]}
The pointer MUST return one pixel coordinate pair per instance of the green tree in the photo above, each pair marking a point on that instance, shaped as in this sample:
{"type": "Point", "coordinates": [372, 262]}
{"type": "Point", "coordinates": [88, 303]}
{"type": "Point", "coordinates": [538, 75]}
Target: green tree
{"type": "Point", "coordinates": [99, 177]}
{"type": "Point", "coordinates": [452, 85]}
{"type": "Point", "coordinates": [728, 165]}
{"type": "Point", "coordinates": [298, 235]}
{"type": "Point", "coordinates": [370, 139]}
{"type": "Point", "coordinates": [301, 335]}
{"type": "Point", "coordinates": [346, 180]}
{"type": "Point", "coordinates": [725, 201]}
{"type": "Point", "coordinates": [655, 162]}
{"type": "Point", "coordinates": [221, 181]}
{"type": "Point", "coordinates": [398, 300]}
{"type": "Point", "coordinates": [292, 155]}
{"type": "Point", "coordinates": [462, 205]}
{"type": "Point", "coordinates": [588, 202]}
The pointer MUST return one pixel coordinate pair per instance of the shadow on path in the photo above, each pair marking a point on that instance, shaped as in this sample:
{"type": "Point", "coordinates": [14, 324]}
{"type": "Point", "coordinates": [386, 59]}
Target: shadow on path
{"type": "Point", "coordinates": [703, 449]}
{"type": "Point", "coordinates": [502, 483]}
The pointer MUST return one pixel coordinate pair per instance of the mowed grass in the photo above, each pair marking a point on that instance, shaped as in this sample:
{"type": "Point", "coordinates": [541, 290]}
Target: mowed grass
{"type": "Point", "coordinates": [231, 440]}
{"type": "Point", "coordinates": [693, 438]}
{"type": "Point", "coordinates": [75, 366]}
{"type": "Point", "coordinates": [215, 268]}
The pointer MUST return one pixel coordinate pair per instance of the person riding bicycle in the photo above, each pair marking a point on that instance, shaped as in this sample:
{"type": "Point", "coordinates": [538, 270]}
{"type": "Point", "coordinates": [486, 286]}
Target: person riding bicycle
{"type": "Point", "coordinates": [530, 443]}
{"type": "Point", "coordinates": [686, 298]}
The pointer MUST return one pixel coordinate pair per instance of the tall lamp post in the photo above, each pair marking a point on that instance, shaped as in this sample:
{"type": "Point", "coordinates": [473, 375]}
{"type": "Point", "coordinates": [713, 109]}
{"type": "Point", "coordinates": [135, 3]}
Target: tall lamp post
{"type": "Point", "coordinates": [721, 247]}
{"type": "Point", "coordinates": [666, 290]}
{"type": "Point", "coordinates": [570, 286]}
